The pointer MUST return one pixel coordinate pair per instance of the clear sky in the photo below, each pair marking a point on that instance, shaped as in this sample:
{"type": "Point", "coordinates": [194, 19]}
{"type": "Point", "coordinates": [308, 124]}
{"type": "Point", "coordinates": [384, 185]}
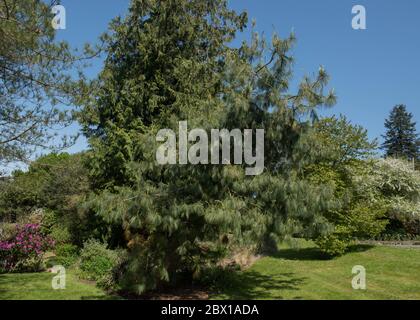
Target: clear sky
{"type": "Point", "coordinates": [371, 70]}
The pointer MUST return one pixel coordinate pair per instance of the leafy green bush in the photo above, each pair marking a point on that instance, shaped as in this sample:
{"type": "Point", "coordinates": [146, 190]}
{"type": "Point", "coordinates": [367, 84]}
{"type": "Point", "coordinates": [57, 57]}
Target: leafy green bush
{"type": "Point", "coordinates": [32, 264]}
{"type": "Point", "coordinates": [96, 261]}
{"type": "Point", "coordinates": [380, 199]}
{"type": "Point", "coordinates": [48, 220]}
{"type": "Point", "coordinates": [60, 234]}
{"type": "Point", "coordinates": [56, 227]}
{"type": "Point", "coordinates": [66, 254]}
{"type": "Point", "coordinates": [53, 185]}
{"type": "Point", "coordinates": [112, 280]}
{"type": "Point", "coordinates": [335, 244]}
{"type": "Point", "coordinates": [218, 277]}
{"type": "Point", "coordinates": [360, 209]}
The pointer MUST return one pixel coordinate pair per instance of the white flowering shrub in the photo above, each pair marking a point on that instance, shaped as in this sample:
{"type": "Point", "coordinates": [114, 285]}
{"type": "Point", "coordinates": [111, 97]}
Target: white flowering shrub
{"type": "Point", "coordinates": [398, 178]}
{"type": "Point", "coordinates": [399, 184]}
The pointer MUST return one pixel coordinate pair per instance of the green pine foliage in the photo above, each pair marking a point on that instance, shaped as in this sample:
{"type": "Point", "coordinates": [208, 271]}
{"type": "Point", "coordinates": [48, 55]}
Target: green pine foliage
{"type": "Point", "coordinates": [170, 61]}
{"type": "Point", "coordinates": [41, 78]}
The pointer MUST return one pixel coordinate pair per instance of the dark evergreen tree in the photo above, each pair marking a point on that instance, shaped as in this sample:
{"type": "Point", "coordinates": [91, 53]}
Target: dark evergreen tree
{"type": "Point", "coordinates": [401, 139]}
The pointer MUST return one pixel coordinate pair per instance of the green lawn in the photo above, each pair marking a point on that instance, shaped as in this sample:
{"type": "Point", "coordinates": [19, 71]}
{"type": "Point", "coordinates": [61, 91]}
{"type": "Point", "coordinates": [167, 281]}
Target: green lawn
{"type": "Point", "coordinates": [391, 273]}
{"type": "Point", "coordinates": [37, 286]}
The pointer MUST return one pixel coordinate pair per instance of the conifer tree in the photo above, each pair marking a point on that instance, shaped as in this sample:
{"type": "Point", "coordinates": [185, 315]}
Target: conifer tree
{"type": "Point", "coordinates": [401, 139]}
{"type": "Point", "coordinates": [173, 60]}
{"type": "Point", "coordinates": [38, 86]}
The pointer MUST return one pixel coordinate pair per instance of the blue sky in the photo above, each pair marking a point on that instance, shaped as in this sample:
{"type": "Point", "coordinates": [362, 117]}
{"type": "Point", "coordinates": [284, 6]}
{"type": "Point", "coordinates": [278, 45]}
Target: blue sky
{"type": "Point", "coordinates": [371, 70]}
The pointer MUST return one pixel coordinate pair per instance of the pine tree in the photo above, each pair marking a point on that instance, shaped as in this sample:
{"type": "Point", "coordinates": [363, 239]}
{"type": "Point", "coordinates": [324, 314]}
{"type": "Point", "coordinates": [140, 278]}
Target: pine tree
{"type": "Point", "coordinates": [172, 60]}
{"type": "Point", "coordinates": [38, 86]}
{"type": "Point", "coordinates": [401, 138]}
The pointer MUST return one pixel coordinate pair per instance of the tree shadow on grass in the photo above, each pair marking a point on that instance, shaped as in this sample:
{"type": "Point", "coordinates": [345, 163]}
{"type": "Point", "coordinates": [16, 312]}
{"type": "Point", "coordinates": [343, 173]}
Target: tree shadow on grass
{"type": "Point", "coordinates": [360, 248]}
{"type": "Point", "coordinates": [102, 297]}
{"type": "Point", "coordinates": [301, 254]}
{"type": "Point", "coordinates": [314, 253]}
{"type": "Point", "coordinates": [254, 285]}
{"type": "Point", "coordinates": [250, 285]}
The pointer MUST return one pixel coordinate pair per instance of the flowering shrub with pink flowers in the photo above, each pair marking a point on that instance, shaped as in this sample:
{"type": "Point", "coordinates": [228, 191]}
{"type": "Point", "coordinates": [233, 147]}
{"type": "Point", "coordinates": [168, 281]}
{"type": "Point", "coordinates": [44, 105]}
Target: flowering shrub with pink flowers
{"type": "Point", "coordinates": [24, 252]}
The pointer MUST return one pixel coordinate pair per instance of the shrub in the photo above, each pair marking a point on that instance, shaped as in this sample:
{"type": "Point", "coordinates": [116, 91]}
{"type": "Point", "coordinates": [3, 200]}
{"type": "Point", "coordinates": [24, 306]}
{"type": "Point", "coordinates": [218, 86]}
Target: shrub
{"type": "Point", "coordinates": [405, 214]}
{"type": "Point", "coordinates": [396, 177]}
{"type": "Point", "coordinates": [111, 281]}
{"type": "Point", "coordinates": [360, 210]}
{"type": "Point", "coordinates": [66, 254]}
{"type": "Point", "coordinates": [49, 219]}
{"type": "Point", "coordinates": [218, 277]}
{"type": "Point", "coordinates": [335, 244]}
{"type": "Point", "coordinates": [7, 231]}
{"type": "Point", "coordinates": [60, 234]}
{"type": "Point", "coordinates": [24, 252]}
{"type": "Point", "coordinates": [33, 216]}
{"type": "Point", "coordinates": [96, 261]}
{"type": "Point", "coordinates": [383, 202]}
{"type": "Point", "coordinates": [399, 184]}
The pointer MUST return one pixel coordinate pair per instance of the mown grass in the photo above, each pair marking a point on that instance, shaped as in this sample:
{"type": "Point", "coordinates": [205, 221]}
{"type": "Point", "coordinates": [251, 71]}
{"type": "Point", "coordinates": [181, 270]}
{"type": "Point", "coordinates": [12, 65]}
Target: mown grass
{"type": "Point", "coordinates": [391, 273]}
{"type": "Point", "coordinates": [37, 286]}
{"type": "Point", "coordinates": [293, 273]}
